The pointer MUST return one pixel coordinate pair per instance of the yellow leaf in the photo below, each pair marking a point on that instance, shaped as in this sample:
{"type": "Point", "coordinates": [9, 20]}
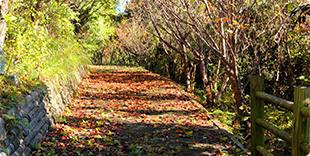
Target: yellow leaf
{"type": "Point", "coordinates": [209, 3]}
{"type": "Point", "coordinates": [230, 31]}
{"type": "Point", "coordinates": [224, 138]}
{"type": "Point", "coordinates": [10, 117]}
{"type": "Point", "coordinates": [235, 22]}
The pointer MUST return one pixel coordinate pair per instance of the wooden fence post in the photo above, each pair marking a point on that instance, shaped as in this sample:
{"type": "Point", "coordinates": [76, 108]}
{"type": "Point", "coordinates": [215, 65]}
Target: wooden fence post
{"type": "Point", "coordinates": [301, 126]}
{"type": "Point", "coordinates": [257, 111]}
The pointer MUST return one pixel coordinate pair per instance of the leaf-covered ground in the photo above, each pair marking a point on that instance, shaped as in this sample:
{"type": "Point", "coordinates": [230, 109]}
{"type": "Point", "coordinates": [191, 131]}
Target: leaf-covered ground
{"type": "Point", "coordinates": [130, 111]}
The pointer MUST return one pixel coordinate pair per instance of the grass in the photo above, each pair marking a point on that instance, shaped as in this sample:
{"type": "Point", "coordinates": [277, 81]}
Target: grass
{"type": "Point", "coordinates": [61, 68]}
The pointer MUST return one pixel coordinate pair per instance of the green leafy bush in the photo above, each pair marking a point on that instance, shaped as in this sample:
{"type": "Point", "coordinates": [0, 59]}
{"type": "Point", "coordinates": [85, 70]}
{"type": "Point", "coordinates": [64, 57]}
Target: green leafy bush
{"type": "Point", "coordinates": [40, 46]}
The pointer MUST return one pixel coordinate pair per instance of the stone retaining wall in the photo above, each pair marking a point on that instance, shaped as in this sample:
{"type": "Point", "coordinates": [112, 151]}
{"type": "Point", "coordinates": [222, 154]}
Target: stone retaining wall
{"type": "Point", "coordinates": [23, 127]}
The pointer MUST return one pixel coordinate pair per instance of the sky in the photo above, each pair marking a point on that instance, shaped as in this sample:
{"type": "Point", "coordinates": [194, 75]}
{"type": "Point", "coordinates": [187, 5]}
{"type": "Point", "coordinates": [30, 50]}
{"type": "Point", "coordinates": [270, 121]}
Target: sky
{"type": "Point", "coordinates": [121, 7]}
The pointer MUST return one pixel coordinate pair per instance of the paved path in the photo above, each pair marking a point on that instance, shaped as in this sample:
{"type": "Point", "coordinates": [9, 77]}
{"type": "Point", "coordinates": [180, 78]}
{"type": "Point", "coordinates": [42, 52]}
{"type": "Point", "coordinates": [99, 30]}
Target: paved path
{"type": "Point", "coordinates": [130, 111]}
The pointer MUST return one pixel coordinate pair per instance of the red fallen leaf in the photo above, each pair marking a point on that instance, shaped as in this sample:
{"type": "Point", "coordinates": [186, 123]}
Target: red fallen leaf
{"type": "Point", "coordinates": [128, 106]}
{"type": "Point", "coordinates": [217, 152]}
{"type": "Point", "coordinates": [195, 143]}
{"type": "Point", "coordinates": [163, 148]}
{"type": "Point", "coordinates": [175, 137]}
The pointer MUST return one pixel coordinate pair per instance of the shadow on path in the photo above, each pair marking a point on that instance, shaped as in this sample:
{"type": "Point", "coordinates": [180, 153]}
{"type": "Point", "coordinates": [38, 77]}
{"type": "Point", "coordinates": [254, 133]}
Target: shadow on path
{"type": "Point", "coordinates": [133, 112]}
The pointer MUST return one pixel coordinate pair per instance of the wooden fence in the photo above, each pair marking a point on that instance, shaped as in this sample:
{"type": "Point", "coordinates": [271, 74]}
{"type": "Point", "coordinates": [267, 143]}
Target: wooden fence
{"type": "Point", "coordinates": [300, 139]}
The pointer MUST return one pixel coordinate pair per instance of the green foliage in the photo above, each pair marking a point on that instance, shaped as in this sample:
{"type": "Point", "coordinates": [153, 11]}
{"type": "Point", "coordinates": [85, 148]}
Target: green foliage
{"type": "Point", "coordinates": [201, 94]}
{"type": "Point", "coordinates": [95, 38]}
{"type": "Point", "coordinates": [40, 46]}
{"type": "Point", "coordinates": [62, 119]}
{"type": "Point", "coordinates": [225, 117]}
{"type": "Point", "coordinates": [95, 26]}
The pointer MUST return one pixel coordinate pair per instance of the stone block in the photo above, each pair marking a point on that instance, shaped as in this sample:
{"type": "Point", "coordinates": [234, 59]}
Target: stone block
{"type": "Point", "coordinates": [41, 113]}
{"type": "Point", "coordinates": [37, 119]}
{"type": "Point", "coordinates": [34, 131]}
{"type": "Point", "coordinates": [43, 103]}
{"type": "Point", "coordinates": [36, 103]}
{"type": "Point", "coordinates": [7, 140]}
{"type": "Point", "coordinates": [14, 132]}
{"type": "Point", "coordinates": [20, 150]}
{"type": "Point", "coordinates": [44, 129]}
{"type": "Point", "coordinates": [35, 93]}
{"type": "Point", "coordinates": [25, 132]}
{"type": "Point", "coordinates": [17, 154]}
{"type": "Point", "coordinates": [30, 106]}
{"type": "Point", "coordinates": [42, 106]}
{"type": "Point", "coordinates": [28, 99]}
{"type": "Point", "coordinates": [36, 123]}
{"type": "Point", "coordinates": [13, 112]}
{"type": "Point", "coordinates": [2, 123]}
{"type": "Point", "coordinates": [39, 125]}
{"type": "Point", "coordinates": [18, 141]}
{"type": "Point", "coordinates": [10, 149]}
{"type": "Point", "coordinates": [25, 122]}
{"type": "Point", "coordinates": [32, 124]}
{"type": "Point", "coordinates": [23, 103]}
{"type": "Point", "coordinates": [27, 151]}
{"type": "Point", "coordinates": [3, 133]}
{"type": "Point", "coordinates": [24, 111]}
{"type": "Point", "coordinates": [28, 138]}
{"type": "Point", "coordinates": [14, 154]}
{"type": "Point", "coordinates": [33, 113]}
{"type": "Point", "coordinates": [45, 118]}
{"type": "Point", "coordinates": [35, 140]}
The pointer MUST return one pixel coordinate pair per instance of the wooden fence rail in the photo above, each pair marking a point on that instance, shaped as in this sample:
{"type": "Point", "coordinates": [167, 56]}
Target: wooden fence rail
{"type": "Point", "coordinates": [300, 139]}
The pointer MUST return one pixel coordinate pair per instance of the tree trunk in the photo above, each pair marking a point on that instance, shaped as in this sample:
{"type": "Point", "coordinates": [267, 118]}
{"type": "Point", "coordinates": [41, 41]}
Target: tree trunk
{"type": "Point", "coordinates": [216, 79]}
{"type": "Point", "coordinates": [112, 57]}
{"type": "Point", "coordinates": [205, 81]}
{"type": "Point", "coordinates": [187, 74]}
{"type": "Point", "coordinates": [238, 99]}
{"type": "Point", "coordinates": [236, 84]}
{"type": "Point", "coordinates": [219, 95]}
{"type": "Point", "coordinates": [193, 75]}
{"type": "Point", "coordinates": [180, 70]}
{"type": "Point", "coordinates": [4, 11]}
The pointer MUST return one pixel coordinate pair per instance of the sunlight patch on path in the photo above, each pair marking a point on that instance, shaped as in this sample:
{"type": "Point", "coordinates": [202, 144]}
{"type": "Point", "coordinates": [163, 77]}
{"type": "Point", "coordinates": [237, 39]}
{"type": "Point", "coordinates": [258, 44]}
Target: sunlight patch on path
{"type": "Point", "coordinates": [129, 111]}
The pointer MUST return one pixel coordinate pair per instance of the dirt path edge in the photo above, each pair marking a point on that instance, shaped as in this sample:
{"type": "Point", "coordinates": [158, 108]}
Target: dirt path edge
{"type": "Point", "coordinates": [220, 126]}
